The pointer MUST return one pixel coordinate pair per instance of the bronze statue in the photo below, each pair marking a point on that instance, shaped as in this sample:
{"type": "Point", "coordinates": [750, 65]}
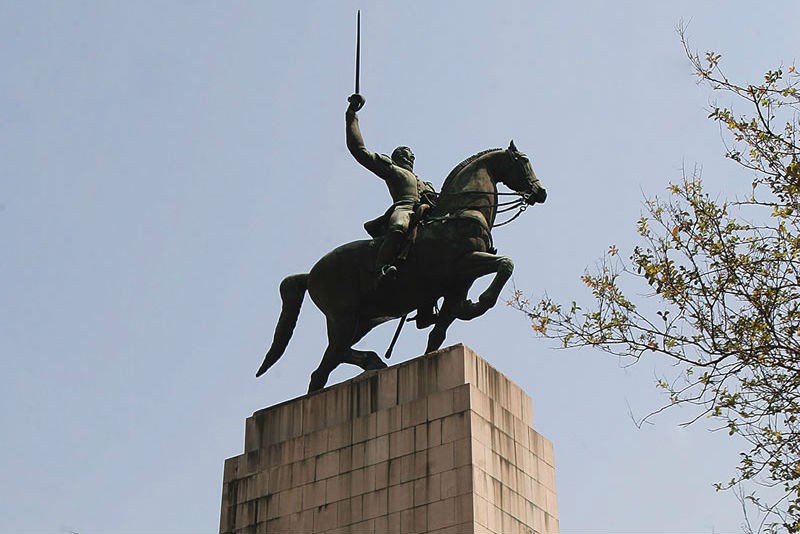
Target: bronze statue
{"type": "Point", "coordinates": [406, 189]}
{"type": "Point", "coordinates": [453, 248]}
{"type": "Point", "coordinates": [449, 247]}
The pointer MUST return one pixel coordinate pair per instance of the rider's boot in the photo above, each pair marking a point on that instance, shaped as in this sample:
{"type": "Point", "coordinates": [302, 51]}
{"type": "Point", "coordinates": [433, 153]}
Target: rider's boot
{"type": "Point", "coordinates": [387, 254]}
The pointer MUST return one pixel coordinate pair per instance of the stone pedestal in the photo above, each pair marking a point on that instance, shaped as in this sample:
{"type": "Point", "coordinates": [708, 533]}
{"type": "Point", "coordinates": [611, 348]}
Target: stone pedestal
{"type": "Point", "coordinates": [440, 444]}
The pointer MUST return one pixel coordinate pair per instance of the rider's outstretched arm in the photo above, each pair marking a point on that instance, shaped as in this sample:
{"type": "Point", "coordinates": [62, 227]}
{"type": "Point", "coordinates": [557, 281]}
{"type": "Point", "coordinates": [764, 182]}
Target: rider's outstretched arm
{"type": "Point", "coordinates": [376, 163]}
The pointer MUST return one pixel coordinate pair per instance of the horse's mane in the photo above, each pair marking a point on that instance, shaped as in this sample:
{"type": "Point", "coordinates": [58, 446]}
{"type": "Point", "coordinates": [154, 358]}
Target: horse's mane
{"type": "Point", "coordinates": [458, 168]}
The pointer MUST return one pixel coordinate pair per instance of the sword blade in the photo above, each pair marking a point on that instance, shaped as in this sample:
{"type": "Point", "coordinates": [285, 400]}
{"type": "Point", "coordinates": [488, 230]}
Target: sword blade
{"type": "Point", "coordinates": [358, 49]}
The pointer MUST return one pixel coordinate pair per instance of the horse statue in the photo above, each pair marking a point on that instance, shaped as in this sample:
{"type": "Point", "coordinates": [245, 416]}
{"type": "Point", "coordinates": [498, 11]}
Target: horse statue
{"type": "Point", "coordinates": [452, 249]}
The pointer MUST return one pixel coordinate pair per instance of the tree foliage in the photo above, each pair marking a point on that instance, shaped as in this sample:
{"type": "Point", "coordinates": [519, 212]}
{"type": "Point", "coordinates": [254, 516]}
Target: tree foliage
{"type": "Point", "coordinates": [723, 297]}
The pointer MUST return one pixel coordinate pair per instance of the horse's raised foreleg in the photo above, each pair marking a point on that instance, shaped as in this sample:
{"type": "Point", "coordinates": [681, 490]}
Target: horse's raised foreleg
{"type": "Point", "coordinates": [457, 306]}
{"type": "Point", "coordinates": [478, 264]}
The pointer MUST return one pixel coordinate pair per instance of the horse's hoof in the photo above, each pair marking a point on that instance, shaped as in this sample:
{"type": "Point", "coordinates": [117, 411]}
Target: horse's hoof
{"type": "Point", "coordinates": [434, 342]}
{"type": "Point", "coordinates": [374, 362]}
{"type": "Point", "coordinates": [467, 310]}
{"type": "Point", "coordinates": [487, 303]}
{"type": "Point", "coordinates": [315, 385]}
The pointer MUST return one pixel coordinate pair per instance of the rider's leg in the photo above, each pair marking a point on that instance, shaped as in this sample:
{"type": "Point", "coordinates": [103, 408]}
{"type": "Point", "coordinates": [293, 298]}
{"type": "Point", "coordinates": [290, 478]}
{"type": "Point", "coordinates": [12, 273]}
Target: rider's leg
{"type": "Point", "coordinates": [390, 247]}
{"type": "Point", "coordinates": [393, 240]}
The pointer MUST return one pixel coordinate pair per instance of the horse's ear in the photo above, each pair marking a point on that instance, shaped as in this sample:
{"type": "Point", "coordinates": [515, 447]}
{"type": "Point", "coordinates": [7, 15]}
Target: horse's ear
{"type": "Point", "coordinates": [512, 146]}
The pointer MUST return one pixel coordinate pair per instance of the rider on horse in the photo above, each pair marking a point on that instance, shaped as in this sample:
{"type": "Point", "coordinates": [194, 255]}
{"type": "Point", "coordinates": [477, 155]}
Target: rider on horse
{"type": "Point", "coordinates": [406, 189]}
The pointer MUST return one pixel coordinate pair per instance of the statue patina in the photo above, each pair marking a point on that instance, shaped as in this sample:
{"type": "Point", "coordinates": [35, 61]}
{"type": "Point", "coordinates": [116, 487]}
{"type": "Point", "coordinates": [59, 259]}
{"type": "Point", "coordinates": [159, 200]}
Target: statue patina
{"type": "Point", "coordinates": [452, 247]}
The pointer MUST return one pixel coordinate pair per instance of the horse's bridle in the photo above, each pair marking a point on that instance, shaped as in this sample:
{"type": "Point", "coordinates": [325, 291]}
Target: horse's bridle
{"type": "Point", "coordinates": [517, 158]}
{"type": "Point", "coordinates": [520, 204]}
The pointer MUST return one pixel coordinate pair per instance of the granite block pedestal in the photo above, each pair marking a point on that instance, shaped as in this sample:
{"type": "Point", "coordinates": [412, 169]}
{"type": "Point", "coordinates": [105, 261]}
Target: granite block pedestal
{"type": "Point", "coordinates": [443, 444]}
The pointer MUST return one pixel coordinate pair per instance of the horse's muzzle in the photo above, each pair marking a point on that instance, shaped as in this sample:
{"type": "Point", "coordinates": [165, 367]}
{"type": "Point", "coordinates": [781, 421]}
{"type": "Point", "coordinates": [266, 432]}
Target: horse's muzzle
{"type": "Point", "coordinates": [538, 195]}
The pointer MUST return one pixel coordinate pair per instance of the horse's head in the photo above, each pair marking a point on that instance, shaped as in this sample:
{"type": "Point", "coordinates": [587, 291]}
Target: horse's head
{"type": "Point", "coordinates": [520, 177]}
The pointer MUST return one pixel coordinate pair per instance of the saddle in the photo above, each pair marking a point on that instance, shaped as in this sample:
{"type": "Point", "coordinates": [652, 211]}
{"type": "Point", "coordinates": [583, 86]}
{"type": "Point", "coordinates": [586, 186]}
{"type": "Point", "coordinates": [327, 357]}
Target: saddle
{"type": "Point", "coordinates": [377, 227]}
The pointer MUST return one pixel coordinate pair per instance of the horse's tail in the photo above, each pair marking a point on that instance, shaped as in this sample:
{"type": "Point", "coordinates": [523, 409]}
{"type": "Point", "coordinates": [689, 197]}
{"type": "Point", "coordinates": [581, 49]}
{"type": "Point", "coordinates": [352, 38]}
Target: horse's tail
{"type": "Point", "coordinates": [293, 289]}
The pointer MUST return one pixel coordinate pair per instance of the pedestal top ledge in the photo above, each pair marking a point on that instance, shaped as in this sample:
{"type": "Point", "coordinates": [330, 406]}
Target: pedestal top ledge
{"type": "Point", "coordinates": [429, 375]}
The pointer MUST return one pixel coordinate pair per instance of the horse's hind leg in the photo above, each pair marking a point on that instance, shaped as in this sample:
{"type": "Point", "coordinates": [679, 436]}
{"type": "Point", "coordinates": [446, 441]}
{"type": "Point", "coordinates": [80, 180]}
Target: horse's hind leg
{"type": "Point", "coordinates": [343, 332]}
{"type": "Point", "coordinates": [366, 359]}
{"type": "Point", "coordinates": [340, 335]}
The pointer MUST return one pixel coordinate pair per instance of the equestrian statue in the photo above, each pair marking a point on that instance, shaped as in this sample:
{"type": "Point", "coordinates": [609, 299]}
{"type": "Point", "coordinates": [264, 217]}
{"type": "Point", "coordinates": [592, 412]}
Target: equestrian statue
{"type": "Point", "coordinates": [425, 250]}
{"type": "Point", "coordinates": [426, 247]}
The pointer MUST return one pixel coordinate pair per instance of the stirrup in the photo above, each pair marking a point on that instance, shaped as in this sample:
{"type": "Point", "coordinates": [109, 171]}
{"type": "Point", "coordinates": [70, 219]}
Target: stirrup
{"type": "Point", "coordinates": [388, 271]}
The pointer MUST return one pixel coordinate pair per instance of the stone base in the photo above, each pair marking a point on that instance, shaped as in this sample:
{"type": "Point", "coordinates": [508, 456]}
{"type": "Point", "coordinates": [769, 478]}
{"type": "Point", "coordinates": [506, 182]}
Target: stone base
{"type": "Point", "coordinates": [440, 444]}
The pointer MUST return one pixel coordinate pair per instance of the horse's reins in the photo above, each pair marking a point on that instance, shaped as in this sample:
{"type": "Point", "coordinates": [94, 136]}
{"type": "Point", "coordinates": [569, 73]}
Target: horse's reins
{"type": "Point", "coordinates": [520, 204]}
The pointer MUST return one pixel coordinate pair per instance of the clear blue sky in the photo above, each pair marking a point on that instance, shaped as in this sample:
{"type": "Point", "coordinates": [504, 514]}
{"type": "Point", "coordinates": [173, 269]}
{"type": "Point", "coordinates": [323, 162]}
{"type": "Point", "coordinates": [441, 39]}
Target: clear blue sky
{"type": "Point", "coordinates": [163, 165]}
